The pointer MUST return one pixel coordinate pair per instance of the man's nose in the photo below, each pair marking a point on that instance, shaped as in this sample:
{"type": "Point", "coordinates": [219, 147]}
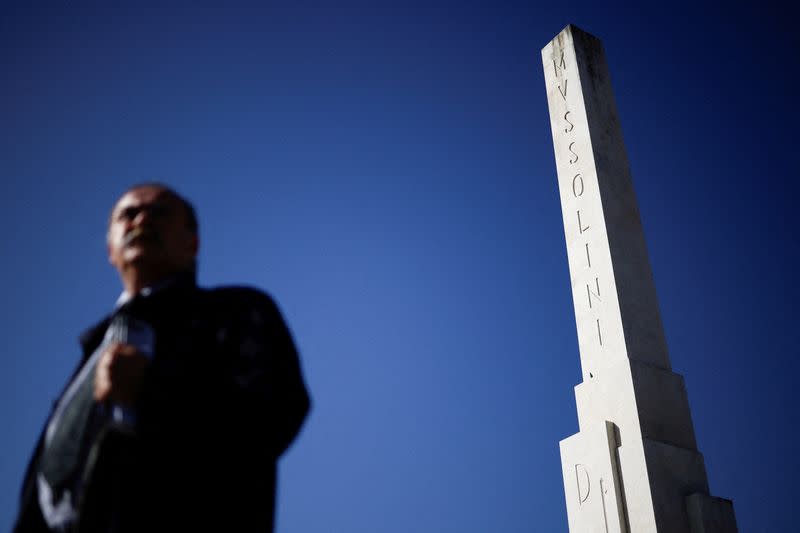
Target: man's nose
{"type": "Point", "coordinates": [140, 218]}
{"type": "Point", "coordinates": [144, 215]}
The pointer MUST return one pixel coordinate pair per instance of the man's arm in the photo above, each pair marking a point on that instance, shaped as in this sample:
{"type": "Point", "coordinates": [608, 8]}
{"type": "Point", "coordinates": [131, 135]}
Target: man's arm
{"type": "Point", "coordinates": [263, 374]}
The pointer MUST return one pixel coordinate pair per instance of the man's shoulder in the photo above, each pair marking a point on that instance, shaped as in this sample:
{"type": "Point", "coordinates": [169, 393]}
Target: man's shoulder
{"type": "Point", "coordinates": [241, 312]}
{"type": "Point", "coordinates": [237, 298]}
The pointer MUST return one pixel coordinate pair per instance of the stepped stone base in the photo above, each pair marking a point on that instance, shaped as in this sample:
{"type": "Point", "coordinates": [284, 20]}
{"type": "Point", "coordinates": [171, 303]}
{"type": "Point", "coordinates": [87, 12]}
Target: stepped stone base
{"type": "Point", "coordinates": [708, 514]}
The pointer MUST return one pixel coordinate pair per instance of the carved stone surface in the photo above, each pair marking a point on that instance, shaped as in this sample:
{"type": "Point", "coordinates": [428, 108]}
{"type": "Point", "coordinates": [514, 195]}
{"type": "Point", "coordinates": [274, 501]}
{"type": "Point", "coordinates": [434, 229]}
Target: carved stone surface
{"type": "Point", "coordinates": [591, 480]}
{"type": "Point", "coordinates": [635, 458]}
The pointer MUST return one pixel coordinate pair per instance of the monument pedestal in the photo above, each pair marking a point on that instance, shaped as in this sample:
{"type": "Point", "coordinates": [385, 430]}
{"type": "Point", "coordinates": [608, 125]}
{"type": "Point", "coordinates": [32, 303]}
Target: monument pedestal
{"type": "Point", "coordinates": [635, 460]}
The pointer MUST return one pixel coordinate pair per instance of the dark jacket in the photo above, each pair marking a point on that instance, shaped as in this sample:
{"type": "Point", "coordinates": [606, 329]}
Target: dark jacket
{"type": "Point", "coordinates": [222, 398]}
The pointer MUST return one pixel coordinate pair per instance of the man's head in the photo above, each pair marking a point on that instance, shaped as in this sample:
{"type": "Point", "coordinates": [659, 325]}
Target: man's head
{"type": "Point", "coordinates": [152, 234]}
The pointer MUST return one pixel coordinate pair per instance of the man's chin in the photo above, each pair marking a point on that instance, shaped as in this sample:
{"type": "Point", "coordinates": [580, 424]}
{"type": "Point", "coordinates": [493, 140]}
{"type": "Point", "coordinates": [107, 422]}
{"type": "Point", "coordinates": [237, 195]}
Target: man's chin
{"type": "Point", "coordinates": [140, 257]}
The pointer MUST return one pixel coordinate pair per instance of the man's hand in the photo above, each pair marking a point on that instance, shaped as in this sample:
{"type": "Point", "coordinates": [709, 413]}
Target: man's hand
{"type": "Point", "coordinates": [118, 376]}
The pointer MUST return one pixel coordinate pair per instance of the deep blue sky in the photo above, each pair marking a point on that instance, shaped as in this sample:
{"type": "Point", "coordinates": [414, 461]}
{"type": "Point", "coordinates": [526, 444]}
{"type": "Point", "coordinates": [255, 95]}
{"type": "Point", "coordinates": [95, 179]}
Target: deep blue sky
{"type": "Point", "coordinates": [387, 173]}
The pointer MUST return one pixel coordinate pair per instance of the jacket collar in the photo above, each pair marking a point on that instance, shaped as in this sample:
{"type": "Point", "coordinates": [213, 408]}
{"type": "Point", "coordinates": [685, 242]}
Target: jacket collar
{"type": "Point", "coordinates": [180, 279]}
{"type": "Point", "coordinates": [92, 337]}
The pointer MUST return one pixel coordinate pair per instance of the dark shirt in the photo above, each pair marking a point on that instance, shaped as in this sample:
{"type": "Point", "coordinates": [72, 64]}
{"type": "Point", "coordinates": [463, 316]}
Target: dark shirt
{"type": "Point", "coordinates": [221, 400]}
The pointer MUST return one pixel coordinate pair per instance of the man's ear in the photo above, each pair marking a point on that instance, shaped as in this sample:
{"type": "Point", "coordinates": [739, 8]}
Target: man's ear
{"type": "Point", "coordinates": [192, 246]}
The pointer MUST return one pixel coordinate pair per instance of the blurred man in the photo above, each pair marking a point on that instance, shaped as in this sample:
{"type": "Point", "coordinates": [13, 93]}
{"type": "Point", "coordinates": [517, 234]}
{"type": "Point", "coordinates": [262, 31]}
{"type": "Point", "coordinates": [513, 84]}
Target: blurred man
{"type": "Point", "coordinates": [182, 403]}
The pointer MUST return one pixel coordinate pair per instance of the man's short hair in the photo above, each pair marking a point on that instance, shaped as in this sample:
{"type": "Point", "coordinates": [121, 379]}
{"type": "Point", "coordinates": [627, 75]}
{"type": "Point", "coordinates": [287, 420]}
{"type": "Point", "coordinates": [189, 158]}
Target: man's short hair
{"type": "Point", "coordinates": [188, 208]}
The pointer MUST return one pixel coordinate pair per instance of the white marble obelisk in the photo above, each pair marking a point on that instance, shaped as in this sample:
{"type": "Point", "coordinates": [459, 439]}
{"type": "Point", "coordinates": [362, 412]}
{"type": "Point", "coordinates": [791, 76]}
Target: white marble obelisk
{"type": "Point", "coordinates": [634, 464]}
